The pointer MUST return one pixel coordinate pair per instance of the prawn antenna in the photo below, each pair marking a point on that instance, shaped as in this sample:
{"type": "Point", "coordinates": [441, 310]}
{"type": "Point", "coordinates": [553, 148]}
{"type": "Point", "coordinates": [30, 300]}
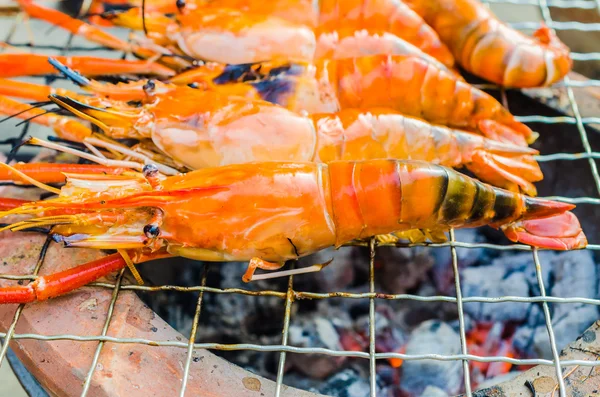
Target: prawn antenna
{"type": "Point", "coordinates": [36, 116]}
{"type": "Point", "coordinates": [31, 229]}
{"type": "Point", "coordinates": [69, 73]}
{"type": "Point", "coordinates": [41, 222]}
{"type": "Point", "coordinates": [34, 105]}
{"type": "Point", "coordinates": [30, 179]}
{"type": "Point", "coordinates": [21, 143]}
{"type": "Point", "coordinates": [144, 17]}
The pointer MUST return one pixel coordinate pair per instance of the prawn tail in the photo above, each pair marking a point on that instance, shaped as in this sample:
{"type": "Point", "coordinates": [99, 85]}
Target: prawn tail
{"type": "Point", "coordinates": [560, 54]}
{"type": "Point", "coordinates": [537, 222]}
{"type": "Point", "coordinates": [511, 132]}
{"type": "Point", "coordinates": [508, 166]}
{"type": "Point", "coordinates": [558, 232]}
{"type": "Point", "coordinates": [544, 35]}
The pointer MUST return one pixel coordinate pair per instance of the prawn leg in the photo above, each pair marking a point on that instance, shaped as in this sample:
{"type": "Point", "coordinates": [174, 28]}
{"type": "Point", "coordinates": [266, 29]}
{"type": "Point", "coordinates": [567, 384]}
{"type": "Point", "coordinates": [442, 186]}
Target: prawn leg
{"type": "Point", "coordinates": [130, 91]}
{"type": "Point", "coordinates": [94, 34]}
{"type": "Point", "coordinates": [257, 263]}
{"type": "Point", "coordinates": [7, 204]}
{"type": "Point", "coordinates": [73, 25]}
{"type": "Point", "coordinates": [53, 172]}
{"type": "Point", "coordinates": [135, 90]}
{"type": "Point", "coordinates": [64, 127]}
{"type": "Point", "coordinates": [35, 92]}
{"type": "Point", "coordinates": [415, 236]}
{"type": "Point", "coordinates": [101, 160]}
{"type": "Point", "coordinates": [46, 287]}
{"type": "Point", "coordinates": [250, 276]}
{"type": "Point", "coordinates": [22, 64]}
{"type": "Point", "coordinates": [60, 283]}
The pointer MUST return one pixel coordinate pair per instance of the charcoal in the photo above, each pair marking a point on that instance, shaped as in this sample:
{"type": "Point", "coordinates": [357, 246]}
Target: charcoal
{"type": "Point", "coordinates": [247, 318]}
{"type": "Point", "coordinates": [535, 316]}
{"type": "Point", "coordinates": [315, 331]}
{"type": "Point", "coordinates": [399, 271]}
{"type": "Point", "coordinates": [235, 317]}
{"type": "Point", "coordinates": [564, 274]}
{"type": "Point", "coordinates": [523, 340]}
{"type": "Point", "coordinates": [573, 274]}
{"type": "Point", "coordinates": [302, 382]}
{"type": "Point", "coordinates": [443, 274]}
{"type": "Point", "coordinates": [566, 329]}
{"type": "Point", "coordinates": [389, 391]}
{"type": "Point", "coordinates": [387, 376]}
{"type": "Point", "coordinates": [432, 337]}
{"type": "Point", "coordinates": [410, 314]}
{"type": "Point", "coordinates": [347, 383]}
{"type": "Point", "coordinates": [491, 281]}
{"type": "Point", "coordinates": [316, 366]}
{"type": "Point", "coordinates": [388, 336]}
{"type": "Point", "coordinates": [433, 391]}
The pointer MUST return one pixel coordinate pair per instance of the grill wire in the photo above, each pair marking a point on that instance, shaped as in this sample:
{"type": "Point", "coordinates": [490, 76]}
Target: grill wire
{"type": "Point", "coordinates": [292, 295]}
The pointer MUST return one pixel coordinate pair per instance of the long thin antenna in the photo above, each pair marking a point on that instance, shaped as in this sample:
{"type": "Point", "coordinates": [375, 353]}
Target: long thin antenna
{"type": "Point", "coordinates": [144, 17]}
{"type": "Point", "coordinates": [36, 116]}
{"type": "Point", "coordinates": [34, 105]}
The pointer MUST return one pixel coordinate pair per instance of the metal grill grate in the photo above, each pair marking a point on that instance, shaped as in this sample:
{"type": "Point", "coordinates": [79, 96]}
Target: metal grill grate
{"type": "Point", "coordinates": [291, 295]}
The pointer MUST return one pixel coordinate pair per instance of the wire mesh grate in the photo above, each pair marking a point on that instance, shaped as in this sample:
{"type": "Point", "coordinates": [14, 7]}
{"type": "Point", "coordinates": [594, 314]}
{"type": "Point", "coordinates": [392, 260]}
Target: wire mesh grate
{"type": "Point", "coordinates": [291, 295]}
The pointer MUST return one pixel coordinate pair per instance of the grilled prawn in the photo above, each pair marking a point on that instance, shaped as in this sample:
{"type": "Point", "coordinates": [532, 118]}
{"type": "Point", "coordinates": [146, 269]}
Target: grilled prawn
{"type": "Point", "coordinates": [490, 49]}
{"type": "Point", "coordinates": [342, 17]}
{"type": "Point", "coordinates": [402, 82]}
{"type": "Point", "coordinates": [206, 130]}
{"type": "Point", "coordinates": [229, 35]}
{"type": "Point", "coordinates": [272, 212]}
{"type": "Point", "coordinates": [327, 17]}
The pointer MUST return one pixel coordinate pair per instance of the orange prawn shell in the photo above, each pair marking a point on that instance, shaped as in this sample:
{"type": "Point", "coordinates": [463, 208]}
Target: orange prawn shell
{"type": "Point", "coordinates": [489, 48]}
{"type": "Point", "coordinates": [273, 212]}
{"type": "Point", "coordinates": [241, 37]}
{"type": "Point", "coordinates": [327, 16]}
{"type": "Point", "coordinates": [278, 211]}
{"type": "Point", "coordinates": [378, 16]}
{"type": "Point", "coordinates": [207, 130]}
{"type": "Point", "coordinates": [416, 88]}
